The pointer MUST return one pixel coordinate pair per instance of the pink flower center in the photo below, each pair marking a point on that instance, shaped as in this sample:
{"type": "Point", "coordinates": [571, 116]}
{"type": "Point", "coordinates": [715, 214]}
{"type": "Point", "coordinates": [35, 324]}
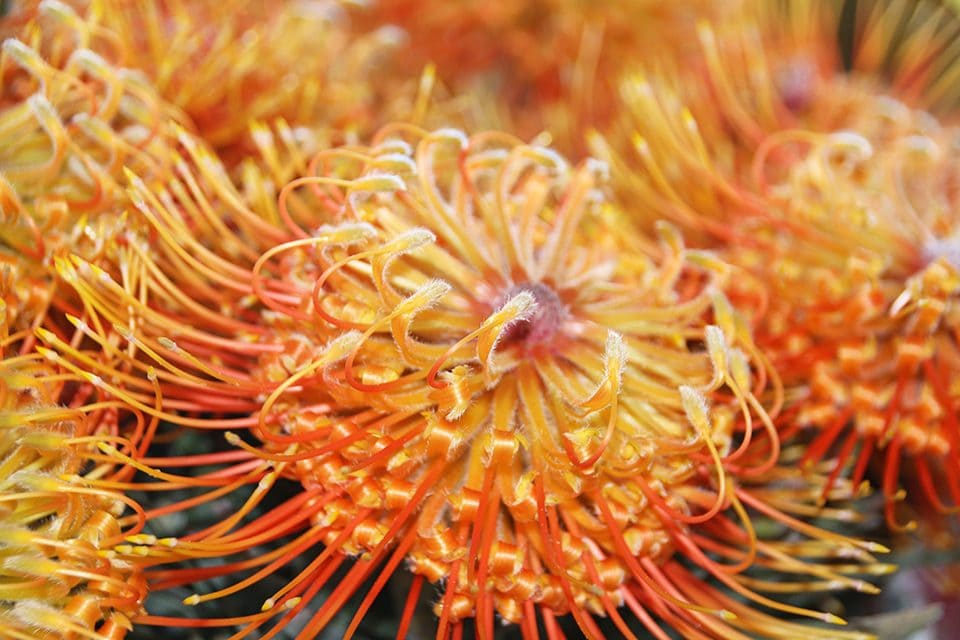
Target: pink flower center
{"type": "Point", "coordinates": [545, 321]}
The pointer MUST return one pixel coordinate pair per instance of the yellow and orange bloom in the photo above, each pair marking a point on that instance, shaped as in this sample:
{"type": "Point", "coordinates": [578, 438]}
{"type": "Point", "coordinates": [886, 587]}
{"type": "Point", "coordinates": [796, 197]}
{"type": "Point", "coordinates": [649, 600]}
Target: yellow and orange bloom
{"type": "Point", "coordinates": [467, 357]}
{"type": "Point", "coordinates": [70, 121]}
{"type": "Point", "coordinates": [225, 65]}
{"type": "Point", "coordinates": [61, 576]}
{"type": "Point", "coordinates": [231, 64]}
{"type": "Point", "coordinates": [450, 349]}
{"type": "Point", "coordinates": [836, 199]}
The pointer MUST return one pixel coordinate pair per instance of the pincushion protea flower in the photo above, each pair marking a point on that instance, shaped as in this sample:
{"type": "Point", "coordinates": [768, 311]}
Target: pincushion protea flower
{"type": "Point", "coordinates": [59, 575]}
{"type": "Point", "coordinates": [225, 65]}
{"type": "Point", "coordinates": [838, 200]}
{"type": "Point", "coordinates": [466, 373]}
{"type": "Point", "coordinates": [229, 64]}
{"type": "Point", "coordinates": [70, 121]}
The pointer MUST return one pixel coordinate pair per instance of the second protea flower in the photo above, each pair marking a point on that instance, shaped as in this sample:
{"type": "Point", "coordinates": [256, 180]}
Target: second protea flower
{"type": "Point", "coordinates": [836, 198]}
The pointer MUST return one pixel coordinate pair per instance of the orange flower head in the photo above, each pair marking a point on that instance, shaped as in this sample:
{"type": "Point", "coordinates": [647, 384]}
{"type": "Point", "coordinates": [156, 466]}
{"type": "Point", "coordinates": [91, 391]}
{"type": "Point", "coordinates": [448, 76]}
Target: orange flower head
{"type": "Point", "coordinates": [229, 64]}
{"type": "Point", "coordinates": [454, 356]}
{"type": "Point", "coordinates": [61, 576]}
{"type": "Point", "coordinates": [70, 121]}
{"type": "Point", "coordinates": [838, 206]}
{"type": "Point", "coordinates": [222, 66]}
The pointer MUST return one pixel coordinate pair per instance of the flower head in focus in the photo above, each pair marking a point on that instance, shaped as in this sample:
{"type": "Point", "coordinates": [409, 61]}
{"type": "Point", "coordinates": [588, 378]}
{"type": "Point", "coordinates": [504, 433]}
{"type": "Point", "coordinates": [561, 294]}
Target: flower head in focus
{"type": "Point", "coordinates": [451, 352]}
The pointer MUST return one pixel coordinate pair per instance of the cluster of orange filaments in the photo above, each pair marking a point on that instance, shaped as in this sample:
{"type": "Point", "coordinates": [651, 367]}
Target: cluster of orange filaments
{"type": "Point", "coordinates": [889, 375]}
{"type": "Point", "coordinates": [59, 574]}
{"type": "Point", "coordinates": [70, 120]}
{"type": "Point", "coordinates": [73, 116]}
{"type": "Point", "coordinates": [229, 63]}
{"type": "Point", "coordinates": [544, 65]}
{"type": "Point", "coordinates": [464, 354]}
{"type": "Point", "coordinates": [839, 203]}
{"type": "Point", "coordinates": [448, 348]}
{"type": "Point", "coordinates": [222, 65]}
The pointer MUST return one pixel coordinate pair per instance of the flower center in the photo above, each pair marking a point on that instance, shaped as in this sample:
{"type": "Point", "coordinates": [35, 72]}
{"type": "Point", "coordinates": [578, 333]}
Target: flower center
{"type": "Point", "coordinates": [542, 325]}
{"type": "Point", "coordinates": [796, 81]}
{"type": "Point", "coordinates": [947, 248]}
